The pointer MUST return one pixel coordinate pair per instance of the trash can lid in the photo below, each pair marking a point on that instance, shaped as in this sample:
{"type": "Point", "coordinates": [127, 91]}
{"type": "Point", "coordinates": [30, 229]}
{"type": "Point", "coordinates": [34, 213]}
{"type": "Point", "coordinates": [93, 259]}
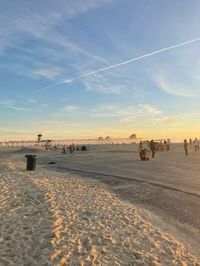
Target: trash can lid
{"type": "Point", "coordinates": [31, 156]}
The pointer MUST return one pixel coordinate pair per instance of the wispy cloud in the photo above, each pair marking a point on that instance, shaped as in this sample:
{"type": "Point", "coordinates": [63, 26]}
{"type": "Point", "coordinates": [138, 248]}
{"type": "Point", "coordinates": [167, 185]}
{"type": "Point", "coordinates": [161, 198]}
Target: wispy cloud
{"type": "Point", "coordinates": [125, 114]}
{"type": "Point", "coordinates": [22, 105]}
{"type": "Point", "coordinates": [34, 102]}
{"type": "Point", "coordinates": [173, 88]}
{"type": "Point", "coordinates": [151, 109]}
{"type": "Point", "coordinates": [70, 108]}
{"type": "Point", "coordinates": [173, 121]}
{"type": "Point", "coordinates": [47, 72]}
{"type": "Point", "coordinates": [105, 84]}
{"type": "Point", "coordinates": [107, 68]}
{"type": "Point", "coordinates": [10, 104]}
{"type": "Point", "coordinates": [50, 51]}
{"type": "Point", "coordinates": [39, 21]}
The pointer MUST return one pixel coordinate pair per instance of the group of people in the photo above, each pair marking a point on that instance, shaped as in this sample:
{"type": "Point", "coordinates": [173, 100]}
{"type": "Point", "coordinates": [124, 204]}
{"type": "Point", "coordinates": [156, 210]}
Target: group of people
{"type": "Point", "coordinates": [153, 146]}
{"type": "Point", "coordinates": [195, 143]}
{"type": "Point", "coordinates": [66, 148]}
{"type": "Point", "coordinates": [71, 148]}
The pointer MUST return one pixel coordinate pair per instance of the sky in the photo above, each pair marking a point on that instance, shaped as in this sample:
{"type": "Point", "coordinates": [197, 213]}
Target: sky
{"type": "Point", "coordinates": [90, 68]}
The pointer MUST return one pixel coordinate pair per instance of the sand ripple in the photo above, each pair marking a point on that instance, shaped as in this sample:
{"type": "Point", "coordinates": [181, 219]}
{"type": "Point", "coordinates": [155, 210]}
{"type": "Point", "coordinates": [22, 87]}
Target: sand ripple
{"type": "Point", "coordinates": [50, 218]}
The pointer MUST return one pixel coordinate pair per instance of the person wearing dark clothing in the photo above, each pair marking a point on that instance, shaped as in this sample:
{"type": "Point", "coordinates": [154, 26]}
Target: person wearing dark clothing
{"type": "Point", "coordinates": [186, 147]}
{"type": "Point", "coordinates": [153, 148]}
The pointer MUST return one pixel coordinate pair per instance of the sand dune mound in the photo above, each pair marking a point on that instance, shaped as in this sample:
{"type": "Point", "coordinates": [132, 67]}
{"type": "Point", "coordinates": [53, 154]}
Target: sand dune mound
{"type": "Point", "coordinates": [30, 150]}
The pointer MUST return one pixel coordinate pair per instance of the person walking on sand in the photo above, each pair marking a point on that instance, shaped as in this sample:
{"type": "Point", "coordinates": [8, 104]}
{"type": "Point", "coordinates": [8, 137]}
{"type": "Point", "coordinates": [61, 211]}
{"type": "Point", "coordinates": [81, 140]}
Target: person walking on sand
{"type": "Point", "coordinates": [186, 147]}
{"type": "Point", "coordinates": [143, 152]}
{"type": "Point", "coordinates": [168, 145]}
{"type": "Point", "coordinates": [153, 148]}
{"type": "Point", "coordinates": [196, 145]}
{"type": "Point", "coordinates": [64, 149]}
{"type": "Point", "coordinates": [141, 147]}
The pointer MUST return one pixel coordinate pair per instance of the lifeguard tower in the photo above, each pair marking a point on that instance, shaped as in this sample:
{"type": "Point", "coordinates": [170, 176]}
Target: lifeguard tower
{"type": "Point", "coordinates": [39, 137]}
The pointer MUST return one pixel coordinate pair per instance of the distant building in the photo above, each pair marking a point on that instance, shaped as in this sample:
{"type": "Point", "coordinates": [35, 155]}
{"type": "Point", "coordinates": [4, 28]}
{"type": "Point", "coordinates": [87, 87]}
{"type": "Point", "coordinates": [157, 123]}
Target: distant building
{"type": "Point", "coordinates": [133, 136]}
{"type": "Point", "coordinates": [39, 137]}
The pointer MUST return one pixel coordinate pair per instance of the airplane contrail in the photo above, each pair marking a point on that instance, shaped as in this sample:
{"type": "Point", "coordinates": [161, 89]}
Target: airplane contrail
{"type": "Point", "coordinates": [123, 63]}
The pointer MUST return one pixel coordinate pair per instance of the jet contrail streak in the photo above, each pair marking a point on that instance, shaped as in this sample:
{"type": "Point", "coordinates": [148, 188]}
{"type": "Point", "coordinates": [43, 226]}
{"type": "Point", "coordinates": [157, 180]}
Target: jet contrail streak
{"type": "Point", "coordinates": [124, 62]}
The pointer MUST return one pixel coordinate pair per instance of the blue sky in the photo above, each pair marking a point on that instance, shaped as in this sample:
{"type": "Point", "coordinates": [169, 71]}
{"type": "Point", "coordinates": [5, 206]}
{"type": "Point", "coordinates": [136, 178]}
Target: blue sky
{"type": "Point", "coordinates": [45, 45]}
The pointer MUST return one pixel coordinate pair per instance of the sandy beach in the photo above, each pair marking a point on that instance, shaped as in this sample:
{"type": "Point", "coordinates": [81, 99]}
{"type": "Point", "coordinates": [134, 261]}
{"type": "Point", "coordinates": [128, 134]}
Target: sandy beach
{"type": "Point", "coordinates": [58, 217]}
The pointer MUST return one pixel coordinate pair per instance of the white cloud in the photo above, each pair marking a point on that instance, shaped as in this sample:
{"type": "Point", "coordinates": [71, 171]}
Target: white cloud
{"type": "Point", "coordinates": [32, 20]}
{"type": "Point", "coordinates": [10, 104]}
{"type": "Point", "coordinates": [172, 121]}
{"type": "Point", "coordinates": [107, 84]}
{"type": "Point", "coordinates": [57, 123]}
{"type": "Point", "coordinates": [173, 88]}
{"type": "Point", "coordinates": [34, 102]}
{"type": "Point", "coordinates": [53, 50]}
{"type": "Point", "coordinates": [70, 108]}
{"type": "Point", "coordinates": [124, 114]}
{"type": "Point", "coordinates": [151, 109]}
{"type": "Point", "coordinates": [47, 72]}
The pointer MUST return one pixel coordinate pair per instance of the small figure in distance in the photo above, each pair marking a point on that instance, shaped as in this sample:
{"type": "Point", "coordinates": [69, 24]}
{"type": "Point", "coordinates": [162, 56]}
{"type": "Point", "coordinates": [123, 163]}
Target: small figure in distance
{"type": "Point", "coordinates": [186, 147]}
{"type": "Point", "coordinates": [77, 148]}
{"type": "Point", "coordinates": [165, 144]}
{"type": "Point", "coordinates": [143, 152]}
{"type": "Point", "coordinates": [148, 145]}
{"type": "Point", "coordinates": [196, 145]}
{"type": "Point", "coordinates": [190, 141]}
{"type": "Point", "coordinates": [168, 145]}
{"type": "Point", "coordinates": [153, 148]}
{"type": "Point", "coordinates": [64, 149]}
{"type": "Point", "coordinates": [71, 148]}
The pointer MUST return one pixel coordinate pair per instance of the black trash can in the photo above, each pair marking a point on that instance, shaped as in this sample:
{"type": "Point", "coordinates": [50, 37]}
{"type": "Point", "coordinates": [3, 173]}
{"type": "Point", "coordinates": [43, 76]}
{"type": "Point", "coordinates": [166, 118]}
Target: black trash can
{"type": "Point", "coordinates": [31, 162]}
{"type": "Point", "coordinates": [84, 148]}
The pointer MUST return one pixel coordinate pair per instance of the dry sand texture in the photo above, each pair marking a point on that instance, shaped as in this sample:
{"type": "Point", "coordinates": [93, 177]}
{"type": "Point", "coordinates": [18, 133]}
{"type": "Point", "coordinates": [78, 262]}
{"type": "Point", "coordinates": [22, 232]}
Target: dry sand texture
{"type": "Point", "coordinates": [50, 218]}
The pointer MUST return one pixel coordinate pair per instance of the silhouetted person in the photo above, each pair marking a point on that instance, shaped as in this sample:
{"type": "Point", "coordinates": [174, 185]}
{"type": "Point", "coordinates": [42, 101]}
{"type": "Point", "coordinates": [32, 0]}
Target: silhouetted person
{"type": "Point", "coordinates": [77, 148]}
{"type": "Point", "coordinates": [64, 149]}
{"type": "Point", "coordinates": [168, 145]}
{"type": "Point", "coordinates": [196, 145]}
{"type": "Point", "coordinates": [141, 147]}
{"type": "Point", "coordinates": [165, 144]}
{"type": "Point", "coordinates": [153, 148]}
{"type": "Point", "coordinates": [71, 148]}
{"type": "Point", "coordinates": [148, 144]}
{"type": "Point", "coordinates": [55, 147]}
{"type": "Point", "coordinates": [186, 147]}
{"type": "Point", "coordinates": [190, 141]}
